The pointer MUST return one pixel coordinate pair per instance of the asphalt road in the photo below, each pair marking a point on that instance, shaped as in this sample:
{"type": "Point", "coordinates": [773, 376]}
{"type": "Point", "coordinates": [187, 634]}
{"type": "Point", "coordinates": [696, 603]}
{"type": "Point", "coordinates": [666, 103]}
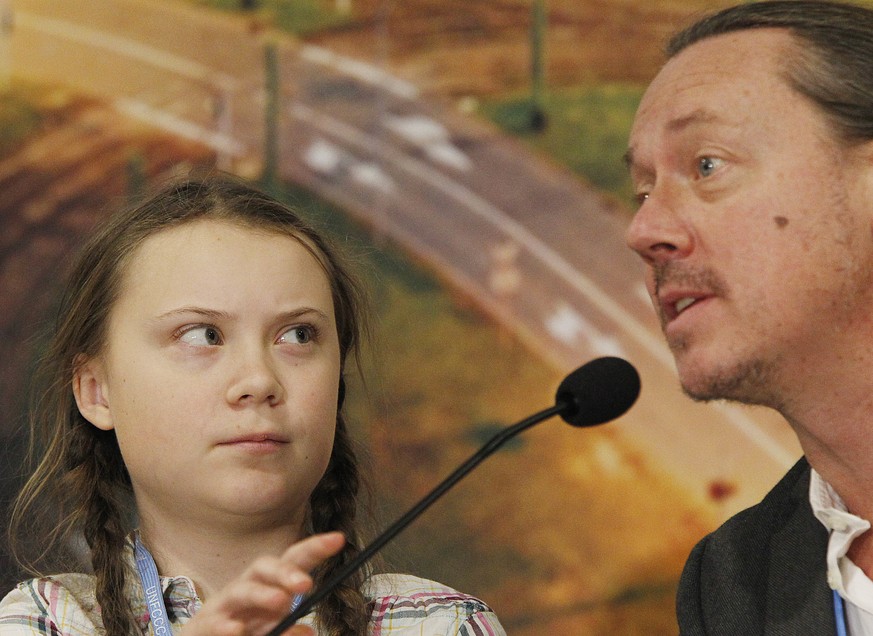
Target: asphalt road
{"type": "Point", "coordinates": [541, 251]}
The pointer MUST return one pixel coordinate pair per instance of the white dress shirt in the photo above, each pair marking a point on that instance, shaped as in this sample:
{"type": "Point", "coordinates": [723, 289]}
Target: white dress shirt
{"type": "Point", "coordinates": [845, 577]}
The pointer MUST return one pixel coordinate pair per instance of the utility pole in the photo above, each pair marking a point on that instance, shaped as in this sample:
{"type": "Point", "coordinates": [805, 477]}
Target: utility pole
{"type": "Point", "coordinates": [538, 24]}
{"type": "Point", "coordinates": [271, 118]}
{"type": "Point", "coordinates": [6, 26]}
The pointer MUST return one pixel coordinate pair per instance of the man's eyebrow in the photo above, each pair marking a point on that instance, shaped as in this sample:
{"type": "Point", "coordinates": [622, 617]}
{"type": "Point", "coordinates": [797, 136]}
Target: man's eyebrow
{"type": "Point", "coordinates": [698, 116]}
{"type": "Point", "coordinates": [678, 124]}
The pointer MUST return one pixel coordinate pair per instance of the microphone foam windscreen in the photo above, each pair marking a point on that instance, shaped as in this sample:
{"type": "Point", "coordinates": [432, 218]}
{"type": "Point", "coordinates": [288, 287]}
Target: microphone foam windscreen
{"type": "Point", "coordinates": [598, 391]}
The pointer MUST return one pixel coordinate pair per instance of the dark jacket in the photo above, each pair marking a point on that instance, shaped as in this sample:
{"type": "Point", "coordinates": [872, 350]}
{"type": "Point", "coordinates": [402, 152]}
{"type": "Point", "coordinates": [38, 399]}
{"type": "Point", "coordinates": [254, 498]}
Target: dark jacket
{"type": "Point", "coordinates": [762, 572]}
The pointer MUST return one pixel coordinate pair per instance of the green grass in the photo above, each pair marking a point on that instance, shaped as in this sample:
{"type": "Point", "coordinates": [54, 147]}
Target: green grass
{"type": "Point", "coordinates": [295, 16]}
{"type": "Point", "coordinates": [19, 117]}
{"type": "Point", "coordinates": [587, 130]}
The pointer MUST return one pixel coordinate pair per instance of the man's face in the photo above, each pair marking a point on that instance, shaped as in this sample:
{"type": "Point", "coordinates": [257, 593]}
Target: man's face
{"type": "Point", "coordinates": [754, 222]}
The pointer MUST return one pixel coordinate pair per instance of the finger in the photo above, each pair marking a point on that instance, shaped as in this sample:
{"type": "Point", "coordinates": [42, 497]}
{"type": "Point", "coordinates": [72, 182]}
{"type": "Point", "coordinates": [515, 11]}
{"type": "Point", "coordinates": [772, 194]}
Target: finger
{"type": "Point", "coordinates": [310, 552]}
{"type": "Point", "coordinates": [277, 572]}
{"type": "Point", "coordinates": [248, 598]}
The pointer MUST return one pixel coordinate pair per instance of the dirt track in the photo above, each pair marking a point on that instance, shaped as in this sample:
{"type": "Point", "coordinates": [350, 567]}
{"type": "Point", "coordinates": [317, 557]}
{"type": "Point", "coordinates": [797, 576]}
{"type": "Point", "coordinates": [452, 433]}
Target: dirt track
{"type": "Point", "coordinates": [456, 47]}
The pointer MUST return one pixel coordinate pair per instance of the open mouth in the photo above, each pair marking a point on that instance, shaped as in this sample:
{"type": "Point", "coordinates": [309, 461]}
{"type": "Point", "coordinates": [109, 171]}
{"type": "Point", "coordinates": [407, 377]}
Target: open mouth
{"type": "Point", "coordinates": [683, 304]}
{"type": "Point", "coordinates": [674, 308]}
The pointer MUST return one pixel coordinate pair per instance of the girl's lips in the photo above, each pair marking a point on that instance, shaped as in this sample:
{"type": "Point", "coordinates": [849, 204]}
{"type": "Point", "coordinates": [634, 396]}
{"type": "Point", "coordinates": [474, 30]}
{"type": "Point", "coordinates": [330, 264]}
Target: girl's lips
{"type": "Point", "coordinates": [266, 439]}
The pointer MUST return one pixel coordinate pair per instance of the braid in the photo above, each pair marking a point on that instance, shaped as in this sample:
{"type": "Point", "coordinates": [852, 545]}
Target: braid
{"type": "Point", "coordinates": [334, 507]}
{"type": "Point", "coordinates": [103, 487]}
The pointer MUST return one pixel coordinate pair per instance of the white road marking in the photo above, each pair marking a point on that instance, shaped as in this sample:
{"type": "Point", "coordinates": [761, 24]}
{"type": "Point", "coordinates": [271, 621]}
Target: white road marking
{"type": "Point", "coordinates": [432, 137]}
{"type": "Point", "coordinates": [184, 128]}
{"type": "Point", "coordinates": [362, 71]}
{"type": "Point", "coordinates": [127, 47]}
{"type": "Point", "coordinates": [569, 326]}
{"type": "Point", "coordinates": [372, 176]}
{"type": "Point", "coordinates": [323, 156]}
{"type": "Point", "coordinates": [329, 159]}
{"type": "Point", "coordinates": [643, 294]}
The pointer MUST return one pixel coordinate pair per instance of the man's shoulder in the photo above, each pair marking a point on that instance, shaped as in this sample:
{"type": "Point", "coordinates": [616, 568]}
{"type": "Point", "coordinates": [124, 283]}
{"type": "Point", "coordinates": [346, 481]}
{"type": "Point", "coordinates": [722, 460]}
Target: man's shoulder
{"type": "Point", "coordinates": [783, 507]}
{"type": "Point", "coordinates": [765, 565]}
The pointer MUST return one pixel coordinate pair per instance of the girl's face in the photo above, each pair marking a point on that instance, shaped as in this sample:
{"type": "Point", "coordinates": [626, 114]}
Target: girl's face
{"type": "Point", "coordinates": [219, 376]}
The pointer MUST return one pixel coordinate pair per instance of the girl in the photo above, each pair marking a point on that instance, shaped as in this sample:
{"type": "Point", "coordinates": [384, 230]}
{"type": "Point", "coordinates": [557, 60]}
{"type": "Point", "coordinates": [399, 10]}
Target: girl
{"type": "Point", "coordinates": [191, 426]}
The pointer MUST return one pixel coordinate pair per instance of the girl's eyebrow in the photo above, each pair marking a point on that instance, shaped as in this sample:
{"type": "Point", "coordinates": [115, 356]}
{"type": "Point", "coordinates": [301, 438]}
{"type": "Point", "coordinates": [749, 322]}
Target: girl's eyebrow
{"type": "Point", "coordinates": [215, 314]}
{"type": "Point", "coordinates": [303, 311]}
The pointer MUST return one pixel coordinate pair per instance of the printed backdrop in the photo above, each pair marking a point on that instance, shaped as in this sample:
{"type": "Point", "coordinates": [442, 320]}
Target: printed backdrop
{"type": "Point", "coordinates": [468, 155]}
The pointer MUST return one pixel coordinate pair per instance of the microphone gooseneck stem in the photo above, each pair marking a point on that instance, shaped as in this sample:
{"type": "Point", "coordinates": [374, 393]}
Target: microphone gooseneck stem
{"type": "Point", "coordinates": [394, 529]}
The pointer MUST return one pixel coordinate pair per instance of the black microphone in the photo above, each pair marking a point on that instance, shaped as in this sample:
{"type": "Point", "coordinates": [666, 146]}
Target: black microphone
{"type": "Point", "coordinates": [595, 393]}
{"type": "Point", "coordinates": [598, 392]}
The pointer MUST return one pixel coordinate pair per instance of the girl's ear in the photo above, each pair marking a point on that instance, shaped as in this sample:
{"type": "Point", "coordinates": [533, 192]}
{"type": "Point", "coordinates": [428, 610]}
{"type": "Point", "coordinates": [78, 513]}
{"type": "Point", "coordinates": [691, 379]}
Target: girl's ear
{"type": "Point", "coordinates": [92, 393]}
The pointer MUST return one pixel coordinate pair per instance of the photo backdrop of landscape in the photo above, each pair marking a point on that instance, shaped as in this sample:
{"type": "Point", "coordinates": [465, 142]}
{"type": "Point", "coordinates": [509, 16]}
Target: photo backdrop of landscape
{"type": "Point", "coordinates": [468, 154]}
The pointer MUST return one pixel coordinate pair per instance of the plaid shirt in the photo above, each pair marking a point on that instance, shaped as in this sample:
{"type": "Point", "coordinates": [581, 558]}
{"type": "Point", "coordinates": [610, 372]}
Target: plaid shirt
{"type": "Point", "coordinates": [402, 605]}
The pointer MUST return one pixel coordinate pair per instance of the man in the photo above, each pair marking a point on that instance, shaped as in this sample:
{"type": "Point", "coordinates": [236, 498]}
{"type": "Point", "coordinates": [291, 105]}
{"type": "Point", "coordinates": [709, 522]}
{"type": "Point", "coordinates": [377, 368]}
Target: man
{"type": "Point", "coordinates": [752, 157]}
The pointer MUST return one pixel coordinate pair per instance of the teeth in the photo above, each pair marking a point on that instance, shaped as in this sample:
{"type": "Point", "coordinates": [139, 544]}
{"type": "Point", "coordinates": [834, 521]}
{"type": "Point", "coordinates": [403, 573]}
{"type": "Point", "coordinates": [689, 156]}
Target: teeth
{"type": "Point", "coordinates": [684, 304]}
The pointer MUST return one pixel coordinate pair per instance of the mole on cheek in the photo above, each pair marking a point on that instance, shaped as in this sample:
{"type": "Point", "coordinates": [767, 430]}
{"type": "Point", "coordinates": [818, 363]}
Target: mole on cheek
{"type": "Point", "coordinates": [780, 221]}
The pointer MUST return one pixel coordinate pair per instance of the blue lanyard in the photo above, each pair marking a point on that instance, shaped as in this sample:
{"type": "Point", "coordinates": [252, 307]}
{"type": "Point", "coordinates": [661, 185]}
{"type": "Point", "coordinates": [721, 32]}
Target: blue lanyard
{"type": "Point", "coordinates": [840, 613]}
{"type": "Point", "coordinates": [154, 595]}
{"type": "Point", "coordinates": [151, 586]}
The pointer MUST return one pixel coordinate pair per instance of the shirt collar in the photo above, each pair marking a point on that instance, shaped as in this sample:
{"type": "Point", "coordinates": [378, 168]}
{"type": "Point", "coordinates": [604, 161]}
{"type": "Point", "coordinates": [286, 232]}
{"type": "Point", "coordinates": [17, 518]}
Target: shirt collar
{"type": "Point", "coordinates": [843, 527]}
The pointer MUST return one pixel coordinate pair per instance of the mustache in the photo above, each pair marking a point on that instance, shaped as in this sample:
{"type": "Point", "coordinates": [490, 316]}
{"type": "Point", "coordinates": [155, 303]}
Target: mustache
{"type": "Point", "coordinates": [682, 275]}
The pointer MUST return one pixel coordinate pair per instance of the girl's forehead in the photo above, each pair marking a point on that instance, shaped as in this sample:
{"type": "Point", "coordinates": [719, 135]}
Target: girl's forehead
{"type": "Point", "coordinates": [183, 238]}
{"type": "Point", "coordinates": [205, 256]}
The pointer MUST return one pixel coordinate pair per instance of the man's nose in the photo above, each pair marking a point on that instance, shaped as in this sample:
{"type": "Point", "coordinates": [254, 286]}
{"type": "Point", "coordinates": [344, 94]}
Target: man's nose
{"type": "Point", "coordinates": [659, 232]}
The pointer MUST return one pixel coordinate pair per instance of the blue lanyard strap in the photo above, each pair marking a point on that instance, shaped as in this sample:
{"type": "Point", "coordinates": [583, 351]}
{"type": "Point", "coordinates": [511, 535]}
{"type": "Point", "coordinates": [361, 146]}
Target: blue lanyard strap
{"type": "Point", "coordinates": [840, 614]}
{"type": "Point", "coordinates": [152, 592]}
{"type": "Point", "coordinates": [154, 595]}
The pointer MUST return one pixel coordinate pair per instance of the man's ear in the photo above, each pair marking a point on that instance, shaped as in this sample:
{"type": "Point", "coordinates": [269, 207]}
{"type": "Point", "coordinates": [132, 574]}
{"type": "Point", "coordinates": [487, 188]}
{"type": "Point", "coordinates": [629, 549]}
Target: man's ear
{"type": "Point", "coordinates": [92, 392]}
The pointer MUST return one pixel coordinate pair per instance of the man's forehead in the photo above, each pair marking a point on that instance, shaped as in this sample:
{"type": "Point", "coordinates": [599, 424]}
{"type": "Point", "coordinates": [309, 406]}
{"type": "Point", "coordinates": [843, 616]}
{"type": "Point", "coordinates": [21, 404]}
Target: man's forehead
{"type": "Point", "coordinates": [681, 121]}
{"type": "Point", "coordinates": [739, 61]}
{"type": "Point", "coordinates": [711, 83]}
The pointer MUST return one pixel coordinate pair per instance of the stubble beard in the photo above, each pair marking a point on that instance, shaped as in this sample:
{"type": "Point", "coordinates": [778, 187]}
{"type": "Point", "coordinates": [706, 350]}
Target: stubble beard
{"type": "Point", "coordinates": [746, 381]}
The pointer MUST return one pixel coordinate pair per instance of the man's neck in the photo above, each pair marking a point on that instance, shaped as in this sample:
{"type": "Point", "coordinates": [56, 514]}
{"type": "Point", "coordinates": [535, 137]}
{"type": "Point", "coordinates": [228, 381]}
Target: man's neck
{"type": "Point", "coordinates": [211, 556]}
{"type": "Point", "coordinates": [835, 430]}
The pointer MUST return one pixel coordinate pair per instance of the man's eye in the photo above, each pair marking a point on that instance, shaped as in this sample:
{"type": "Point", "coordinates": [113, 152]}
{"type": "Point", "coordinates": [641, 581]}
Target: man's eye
{"type": "Point", "coordinates": [298, 335]}
{"type": "Point", "coordinates": [707, 165]}
{"type": "Point", "coordinates": [202, 336]}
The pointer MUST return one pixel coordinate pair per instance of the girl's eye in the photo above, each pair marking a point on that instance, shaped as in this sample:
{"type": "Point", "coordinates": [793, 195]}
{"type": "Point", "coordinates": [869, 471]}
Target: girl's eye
{"type": "Point", "coordinates": [298, 335]}
{"type": "Point", "coordinates": [201, 336]}
{"type": "Point", "coordinates": [707, 165]}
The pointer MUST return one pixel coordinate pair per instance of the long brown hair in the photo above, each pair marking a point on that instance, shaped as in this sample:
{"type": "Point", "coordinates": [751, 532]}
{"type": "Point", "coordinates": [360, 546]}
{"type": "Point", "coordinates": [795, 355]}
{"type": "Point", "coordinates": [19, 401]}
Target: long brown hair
{"type": "Point", "coordinates": [80, 486]}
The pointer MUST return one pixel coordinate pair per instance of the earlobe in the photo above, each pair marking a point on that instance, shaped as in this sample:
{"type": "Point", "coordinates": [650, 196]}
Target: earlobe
{"type": "Point", "coordinates": [92, 394]}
